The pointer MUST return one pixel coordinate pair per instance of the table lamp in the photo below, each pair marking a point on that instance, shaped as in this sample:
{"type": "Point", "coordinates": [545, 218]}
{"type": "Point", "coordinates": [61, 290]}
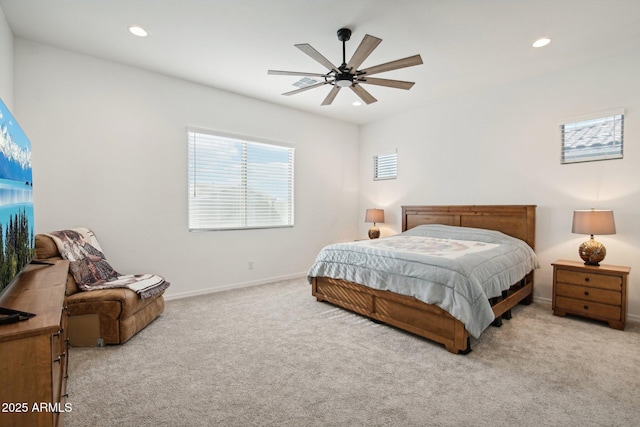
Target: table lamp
{"type": "Point", "coordinates": [593, 222]}
{"type": "Point", "coordinates": [374, 215]}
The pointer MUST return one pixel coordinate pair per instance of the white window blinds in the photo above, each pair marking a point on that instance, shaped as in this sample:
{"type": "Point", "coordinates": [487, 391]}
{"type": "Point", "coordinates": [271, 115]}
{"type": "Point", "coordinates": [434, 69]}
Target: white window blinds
{"type": "Point", "coordinates": [236, 184]}
{"type": "Point", "coordinates": [385, 166]}
{"type": "Point", "coordinates": [598, 138]}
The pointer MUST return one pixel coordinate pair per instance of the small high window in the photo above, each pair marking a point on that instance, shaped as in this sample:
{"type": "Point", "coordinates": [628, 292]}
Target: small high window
{"type": "Point", "coordinates": [385, 166]}
{"type": "Point", "coordinates": [597, 138]}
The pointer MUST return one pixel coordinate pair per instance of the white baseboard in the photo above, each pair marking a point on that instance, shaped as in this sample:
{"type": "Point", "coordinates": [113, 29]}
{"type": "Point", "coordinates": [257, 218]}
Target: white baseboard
{"type": "Point", "coordinates": [182, 295]}
{"type": "Point", "coordinates": [545, 301]}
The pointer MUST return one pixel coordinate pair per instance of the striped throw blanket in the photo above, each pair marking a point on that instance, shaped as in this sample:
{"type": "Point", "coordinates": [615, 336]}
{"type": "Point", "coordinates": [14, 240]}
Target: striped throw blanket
{"type": "Point", "coordinates": [91, 270]}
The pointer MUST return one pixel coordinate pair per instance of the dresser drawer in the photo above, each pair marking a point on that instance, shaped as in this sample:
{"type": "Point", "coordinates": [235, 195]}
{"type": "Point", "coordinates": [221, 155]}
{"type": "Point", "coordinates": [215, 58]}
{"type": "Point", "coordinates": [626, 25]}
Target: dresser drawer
{"type": "Point", "coordinates": [593, 280]}
{"type": "Point", "coordinates": [589, 294]}
{"type": "Point", "coordinates": [588, 309]}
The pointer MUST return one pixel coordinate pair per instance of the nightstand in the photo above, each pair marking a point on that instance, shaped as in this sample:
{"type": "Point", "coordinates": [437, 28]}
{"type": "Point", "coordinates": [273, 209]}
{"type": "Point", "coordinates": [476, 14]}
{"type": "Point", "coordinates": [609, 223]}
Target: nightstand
{"type": "Point", "coordinates": [596, 292]}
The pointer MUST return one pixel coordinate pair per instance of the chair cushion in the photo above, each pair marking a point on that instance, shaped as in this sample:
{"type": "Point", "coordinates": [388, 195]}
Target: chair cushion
{"type": "Point", "coordinates": [46, 248]}
{"type": "Point", "coordinates": [116, 303]}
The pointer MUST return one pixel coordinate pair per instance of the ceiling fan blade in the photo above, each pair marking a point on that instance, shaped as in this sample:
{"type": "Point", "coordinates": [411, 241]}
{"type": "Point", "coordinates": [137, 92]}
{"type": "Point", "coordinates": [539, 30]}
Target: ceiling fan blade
{"type": "Point", "coordinates": [394, 65]}
{"type": "Point", "coordinates": [363, 94]}
{"type": "Point", "coordinates": [332, 95]}
{"type": "Point", "coordinates": [293, 92]}
{"type": "Point", "coordinates": [367, 45]}
{"type": "Point", "coordinates": [293, 73]}
{"type": "Point", "coordinates": [306, 48]}
{"type": "Point", "coordinates": [397, 84]}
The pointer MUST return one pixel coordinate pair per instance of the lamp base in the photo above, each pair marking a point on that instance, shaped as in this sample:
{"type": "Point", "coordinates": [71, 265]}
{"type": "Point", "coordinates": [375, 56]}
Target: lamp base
{"type": "Point", "coordinates": [374, 232]}
{"type": "Point", "coordinates": [592, 252]}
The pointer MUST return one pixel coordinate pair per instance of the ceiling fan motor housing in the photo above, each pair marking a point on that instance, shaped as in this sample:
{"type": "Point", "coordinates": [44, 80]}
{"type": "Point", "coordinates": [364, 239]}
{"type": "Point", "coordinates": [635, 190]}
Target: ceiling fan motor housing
{"type": "Point", "coordinates": [344, 34]}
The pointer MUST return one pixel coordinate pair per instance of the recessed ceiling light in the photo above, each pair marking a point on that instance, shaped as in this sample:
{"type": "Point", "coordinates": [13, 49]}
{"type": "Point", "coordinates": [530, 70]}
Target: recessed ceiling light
{"type": "Point", "coordinates": [138, 31]}
{"type": "Point", "coordinates": [357, 103]}
{"type": "Point", "coordinates": [541, 42]}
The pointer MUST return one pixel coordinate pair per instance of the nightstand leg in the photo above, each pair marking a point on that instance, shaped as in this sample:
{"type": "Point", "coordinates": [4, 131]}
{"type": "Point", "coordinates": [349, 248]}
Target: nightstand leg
{"type": "Point", "coordinates": [616, 325]}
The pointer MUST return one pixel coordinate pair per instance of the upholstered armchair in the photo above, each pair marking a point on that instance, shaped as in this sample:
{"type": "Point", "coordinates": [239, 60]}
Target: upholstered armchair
{"type": "Point", "coordinates": [104, 316]}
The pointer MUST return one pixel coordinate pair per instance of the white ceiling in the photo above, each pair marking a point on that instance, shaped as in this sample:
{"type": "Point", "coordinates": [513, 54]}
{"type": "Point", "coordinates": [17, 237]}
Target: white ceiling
{"type": "Point", "coordinates": [466, 45]}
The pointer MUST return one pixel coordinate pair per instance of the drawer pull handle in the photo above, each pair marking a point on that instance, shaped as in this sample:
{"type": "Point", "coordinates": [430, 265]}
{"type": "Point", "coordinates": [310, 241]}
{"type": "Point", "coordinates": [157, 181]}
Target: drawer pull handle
{"type": "Point", "coordinates": [586, 293]}
{"type": "Point", "coordinates": [586, 307]}
{"type": "Point", "coordinates": [586, 279]}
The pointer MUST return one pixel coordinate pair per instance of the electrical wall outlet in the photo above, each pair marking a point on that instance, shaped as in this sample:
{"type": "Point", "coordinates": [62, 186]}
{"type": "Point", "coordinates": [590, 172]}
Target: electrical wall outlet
{"type": "Point", "coordinates": [250, 265]}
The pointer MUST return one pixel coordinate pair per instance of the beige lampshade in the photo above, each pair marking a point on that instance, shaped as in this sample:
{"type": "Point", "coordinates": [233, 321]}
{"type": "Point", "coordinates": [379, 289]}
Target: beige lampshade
{"type": "Point", "coordinates": [374, 215]}
{"type": "Point", "coordinates": [593, 222]}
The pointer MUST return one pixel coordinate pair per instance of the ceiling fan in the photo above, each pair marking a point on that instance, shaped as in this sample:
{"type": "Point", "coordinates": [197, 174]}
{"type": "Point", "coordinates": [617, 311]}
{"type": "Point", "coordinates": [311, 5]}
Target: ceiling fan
{"type": "Point", "coordinates": [347, 74]}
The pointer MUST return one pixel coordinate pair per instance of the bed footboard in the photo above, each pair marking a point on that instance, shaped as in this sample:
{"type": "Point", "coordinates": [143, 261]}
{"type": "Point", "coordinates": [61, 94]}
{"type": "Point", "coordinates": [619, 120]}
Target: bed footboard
{"type": "Point", "coordinates": [412, 315]}
{"type": "Point", "coordinates": [406, 313]}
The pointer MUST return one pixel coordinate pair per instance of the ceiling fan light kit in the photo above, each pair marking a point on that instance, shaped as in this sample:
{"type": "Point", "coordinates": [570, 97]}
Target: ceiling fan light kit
{"type": "Point", "coordinates": [348, 74]}
{"type": "Point", "coordinates": [343, 80]}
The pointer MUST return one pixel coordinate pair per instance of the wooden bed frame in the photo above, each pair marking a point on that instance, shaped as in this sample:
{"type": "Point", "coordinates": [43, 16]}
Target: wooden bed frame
{"type": "Point", "coordinates": [427, 320]}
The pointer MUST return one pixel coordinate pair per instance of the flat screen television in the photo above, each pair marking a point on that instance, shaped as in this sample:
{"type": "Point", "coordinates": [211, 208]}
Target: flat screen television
{"type": "Point", "coordinates": [17, 244]}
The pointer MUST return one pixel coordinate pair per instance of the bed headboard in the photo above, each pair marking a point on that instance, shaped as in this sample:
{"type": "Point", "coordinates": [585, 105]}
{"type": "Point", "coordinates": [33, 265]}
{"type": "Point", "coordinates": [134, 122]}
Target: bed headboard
{"type": "Point", "coordinates": [515, 220]}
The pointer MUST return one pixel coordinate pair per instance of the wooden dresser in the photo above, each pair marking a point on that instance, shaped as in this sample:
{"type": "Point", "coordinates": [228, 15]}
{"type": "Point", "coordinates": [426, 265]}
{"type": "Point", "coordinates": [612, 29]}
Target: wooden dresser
{"type": "Point", "coordinates": [34, 353]}
{"type": "Point", "coordinates": [597, 292]}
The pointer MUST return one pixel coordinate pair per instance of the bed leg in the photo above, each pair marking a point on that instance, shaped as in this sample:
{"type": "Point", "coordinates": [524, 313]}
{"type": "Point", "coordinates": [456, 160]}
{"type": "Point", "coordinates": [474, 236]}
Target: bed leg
{"type": "Point", "coordinates": [468, 349]}
{"type": "Point", "coordinates": [529, 298]}
{"type": "Point", "coordinates": [498, 320]}
{"type": "Point", "coordinates": [454, 350]}
{"type": "Point", "coordinates": [507, 314]}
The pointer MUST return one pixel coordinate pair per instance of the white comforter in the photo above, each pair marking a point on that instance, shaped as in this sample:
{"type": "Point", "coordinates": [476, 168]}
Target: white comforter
{"type": "Point", "coordinates": [455, 268]}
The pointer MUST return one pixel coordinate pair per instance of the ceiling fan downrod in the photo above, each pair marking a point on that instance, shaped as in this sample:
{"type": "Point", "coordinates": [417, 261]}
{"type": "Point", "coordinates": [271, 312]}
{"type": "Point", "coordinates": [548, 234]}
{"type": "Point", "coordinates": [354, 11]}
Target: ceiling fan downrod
{"type": "Point", "coordinates": [344, 34]}
{"type": "Point", "coordinates": [344, 78]}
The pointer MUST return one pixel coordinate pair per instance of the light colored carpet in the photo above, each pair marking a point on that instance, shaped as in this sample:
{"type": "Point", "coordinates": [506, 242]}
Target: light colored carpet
{"type": "Point", "coordinates": [271, 355]}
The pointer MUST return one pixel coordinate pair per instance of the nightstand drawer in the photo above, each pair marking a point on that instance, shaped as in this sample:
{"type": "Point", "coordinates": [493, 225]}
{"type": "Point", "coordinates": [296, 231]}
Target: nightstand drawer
{"type": "Point", "coordinates": [593, 280]}
{"type": "Point", "coordinates": [589, 294]}
{"type": "Point", "coordinates": [588, 309]}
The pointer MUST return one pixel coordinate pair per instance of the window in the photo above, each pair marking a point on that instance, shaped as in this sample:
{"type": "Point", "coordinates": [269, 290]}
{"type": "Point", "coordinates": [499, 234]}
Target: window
{"type": "Point", "coordinates": [596, 138]}
{"type": "Point", "coordinates": [385, 166]}
{"type": "Point", "coordinates": [236, 184]}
